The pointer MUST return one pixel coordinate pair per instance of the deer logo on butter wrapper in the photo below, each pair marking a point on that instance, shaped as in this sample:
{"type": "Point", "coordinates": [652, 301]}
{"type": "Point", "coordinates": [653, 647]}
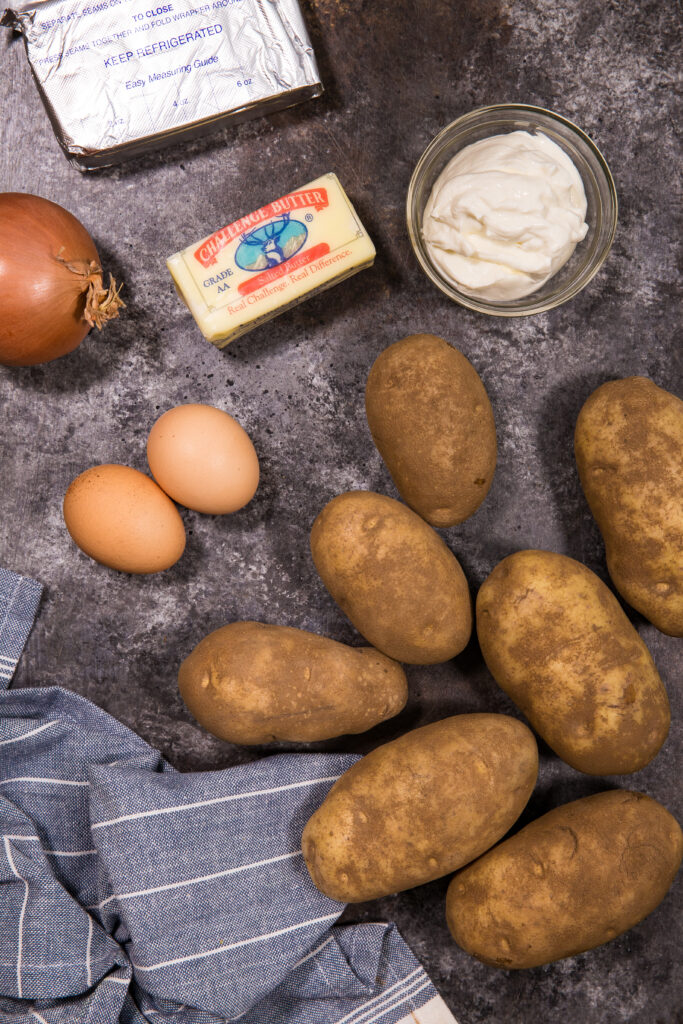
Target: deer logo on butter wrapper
{"type": "Point", "coordinates": [271, 244]}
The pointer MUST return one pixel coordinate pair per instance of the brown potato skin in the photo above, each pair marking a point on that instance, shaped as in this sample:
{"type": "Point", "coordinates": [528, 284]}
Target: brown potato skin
{"type": "Point", "coordinates": [629, 452]}
{"type": "Point", "coordinates": [570, 881]}
{"type": "Point", "coordinates": [421, 806]}
{"type": "Point", "coordinates": [393, 576]}
{"type": "Point", "coordinates": [432, 421]}
{"type": "Point", "coordinates": [558, 642]}
{"type": "Point", "coordinates": [254, 683]}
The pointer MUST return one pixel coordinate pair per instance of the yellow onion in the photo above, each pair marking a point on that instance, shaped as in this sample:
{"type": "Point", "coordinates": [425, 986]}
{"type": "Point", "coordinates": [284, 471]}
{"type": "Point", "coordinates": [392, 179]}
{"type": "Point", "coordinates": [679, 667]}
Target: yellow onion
{"type": "Point", "coordinates": [51, 281]}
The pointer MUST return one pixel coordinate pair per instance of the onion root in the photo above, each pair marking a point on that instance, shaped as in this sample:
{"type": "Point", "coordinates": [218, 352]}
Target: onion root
{"type": "Point", "coordinates": [101, 304]}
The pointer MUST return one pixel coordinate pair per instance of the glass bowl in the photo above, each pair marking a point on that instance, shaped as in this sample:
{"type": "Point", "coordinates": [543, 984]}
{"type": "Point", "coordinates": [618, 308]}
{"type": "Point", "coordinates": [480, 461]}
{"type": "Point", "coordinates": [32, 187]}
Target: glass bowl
{"type": "Point", "coordinates": [601, 195]}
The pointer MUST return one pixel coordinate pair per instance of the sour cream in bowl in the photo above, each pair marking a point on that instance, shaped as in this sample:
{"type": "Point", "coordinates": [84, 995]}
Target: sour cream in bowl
{"type": "Point", "coordinates": [511, 210]}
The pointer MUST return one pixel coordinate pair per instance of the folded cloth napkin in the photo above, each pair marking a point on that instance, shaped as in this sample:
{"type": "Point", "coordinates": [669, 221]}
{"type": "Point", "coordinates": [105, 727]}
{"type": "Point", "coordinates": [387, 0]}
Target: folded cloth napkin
{"type": "Point", "coordinates": [132, 893]}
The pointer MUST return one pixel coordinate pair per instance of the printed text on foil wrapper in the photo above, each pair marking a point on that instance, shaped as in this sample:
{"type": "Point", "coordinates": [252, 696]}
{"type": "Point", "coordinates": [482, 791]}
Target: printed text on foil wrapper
{"type": "Point", "coordinates": [162, 46]}
{"type": "Point", "coordinates": [119, 81]}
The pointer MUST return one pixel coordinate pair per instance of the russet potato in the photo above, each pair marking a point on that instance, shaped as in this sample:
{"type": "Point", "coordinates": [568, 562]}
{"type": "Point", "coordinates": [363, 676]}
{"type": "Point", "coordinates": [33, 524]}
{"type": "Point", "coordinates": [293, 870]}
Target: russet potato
{"type": "Point", "coordinates": [571, 880]}
{"type": "Point", "coordinates": [557, 641]}
{"type": "Point", "coordinates": [393, 576]}
{"type": "Point", "coordinates": [432, 421]}
{"type": "Point", "coordinates": [421, 806]}
{"type": "Point", "coordinates": [254, 683]}
{"type": "Point", "coordinates": [629, 452]}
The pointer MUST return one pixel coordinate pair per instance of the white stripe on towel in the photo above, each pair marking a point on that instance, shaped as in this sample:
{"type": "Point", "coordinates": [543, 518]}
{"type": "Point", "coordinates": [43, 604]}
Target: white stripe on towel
{"type": "Point", "coordinates": [20, 939]}
{"type": "Point", "coordinates": [87, 951]}
{"type": "Point", "coordinates": [401, 997]}
{"type": "Point", "coordinates": [215, 800]}
{"type": "Point", "coordinates": [193, 881]}
{"type": "Point", "coordinates": [383, 995]}
{"type": "Point", "coordinates": [317, 949]}
{"type": "Point", "coordinates": [55, 853]}
{"type": "Point", "coordinates": [434, 1011]}
{"type": "Point", "coordinates": [70, 853]}
{"type": "Point", "coordinates": [33, 778]}
{"type": "Point", "coordinates": [234, 945]}
{"type": "Point", "coordinates": [25, 736]}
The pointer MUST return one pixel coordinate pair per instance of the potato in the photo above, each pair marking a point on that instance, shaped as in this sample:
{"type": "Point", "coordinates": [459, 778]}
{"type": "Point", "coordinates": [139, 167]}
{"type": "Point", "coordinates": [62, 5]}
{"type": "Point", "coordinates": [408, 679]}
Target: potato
{"type": "Point", "coordinates": [432, 421]}
{"type": "Point", "coordinates": [558, 642]}
{"type": "Point", "coordinates": [393, 576]}
{"type": "Point", "coordinates": [253, 683]}
{"type": "Point", "coordinates": [629, 451]}
{"type": "Point", "coordinates": [421, 806]}
{"type": "Point", "coordinates": [570, 881]}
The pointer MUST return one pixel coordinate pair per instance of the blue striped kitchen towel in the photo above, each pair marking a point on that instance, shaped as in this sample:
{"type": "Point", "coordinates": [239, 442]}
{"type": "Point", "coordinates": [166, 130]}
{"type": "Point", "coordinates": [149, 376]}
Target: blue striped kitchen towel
{"type": "Point", "coordinates": [131, 893]}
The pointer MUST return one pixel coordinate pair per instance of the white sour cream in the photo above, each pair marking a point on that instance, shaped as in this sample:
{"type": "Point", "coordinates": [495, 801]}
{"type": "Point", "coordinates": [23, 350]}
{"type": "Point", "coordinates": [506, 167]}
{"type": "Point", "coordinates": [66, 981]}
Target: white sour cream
{"type": "Point", "coordinates": [504, 215]}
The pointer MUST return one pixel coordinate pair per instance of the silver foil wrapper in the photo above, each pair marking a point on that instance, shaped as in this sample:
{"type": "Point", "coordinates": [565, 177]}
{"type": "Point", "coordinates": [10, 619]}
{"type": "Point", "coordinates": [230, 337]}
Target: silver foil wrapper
{"type": "Point", "coordinates": [121, 77]}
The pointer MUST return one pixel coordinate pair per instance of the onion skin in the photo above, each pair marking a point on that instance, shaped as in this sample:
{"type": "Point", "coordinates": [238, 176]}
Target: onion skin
{"type": "Point", "coordinates": [48, 265]}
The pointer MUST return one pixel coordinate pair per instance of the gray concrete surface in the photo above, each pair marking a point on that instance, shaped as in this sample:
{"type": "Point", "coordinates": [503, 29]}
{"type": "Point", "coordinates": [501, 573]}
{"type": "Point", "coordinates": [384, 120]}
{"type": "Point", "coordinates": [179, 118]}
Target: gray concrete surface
{"type": "Point", "coordinates": [396, 72]}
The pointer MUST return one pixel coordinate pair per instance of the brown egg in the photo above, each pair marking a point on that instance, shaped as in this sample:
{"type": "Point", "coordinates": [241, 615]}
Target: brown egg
{"type": "Point", "coordinates": [119, 517]}
{"type": "Point", "coordinates": [203, 458]}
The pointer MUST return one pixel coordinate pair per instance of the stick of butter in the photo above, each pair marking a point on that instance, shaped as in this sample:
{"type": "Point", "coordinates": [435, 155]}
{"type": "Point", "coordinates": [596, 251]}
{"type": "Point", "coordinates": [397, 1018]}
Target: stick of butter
{"type": "Point", "coordinates": [272, 259]}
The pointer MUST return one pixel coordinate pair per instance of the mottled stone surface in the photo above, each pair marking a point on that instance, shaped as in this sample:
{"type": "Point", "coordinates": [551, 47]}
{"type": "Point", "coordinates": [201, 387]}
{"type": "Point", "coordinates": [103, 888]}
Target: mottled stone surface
{"type": "Point", "coordinates": [396, 72]}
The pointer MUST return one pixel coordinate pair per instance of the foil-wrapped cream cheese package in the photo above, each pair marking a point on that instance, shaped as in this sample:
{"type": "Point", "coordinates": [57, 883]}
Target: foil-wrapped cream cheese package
{"type": "Point", "coordinates": [271, 259]}
{"type": "Point", "coordinates": [120, 77]}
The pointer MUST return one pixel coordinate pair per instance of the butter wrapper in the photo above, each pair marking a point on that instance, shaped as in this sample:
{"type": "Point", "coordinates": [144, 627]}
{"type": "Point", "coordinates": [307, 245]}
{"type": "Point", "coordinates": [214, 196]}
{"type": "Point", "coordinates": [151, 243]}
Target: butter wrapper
{"type": "Point", "coordinates": [271, 259]}
{"type": "Point", "coordinates": [122, 77]}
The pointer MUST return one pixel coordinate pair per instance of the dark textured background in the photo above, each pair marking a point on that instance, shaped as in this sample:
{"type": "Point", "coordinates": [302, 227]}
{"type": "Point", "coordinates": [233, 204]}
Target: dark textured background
{"type": "Point", "coordinates": [396, 72]}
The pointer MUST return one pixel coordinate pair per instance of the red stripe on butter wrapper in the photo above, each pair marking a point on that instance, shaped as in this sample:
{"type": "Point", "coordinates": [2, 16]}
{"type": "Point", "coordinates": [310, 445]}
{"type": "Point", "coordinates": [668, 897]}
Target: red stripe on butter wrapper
{"type": "Point", "coordinates": [282, 269]}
